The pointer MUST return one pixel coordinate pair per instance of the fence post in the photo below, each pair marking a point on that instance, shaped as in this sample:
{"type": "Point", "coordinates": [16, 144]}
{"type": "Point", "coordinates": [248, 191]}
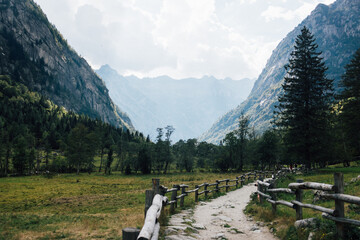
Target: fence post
{"type": "Point", "coordinates": [237, 182]}
{"type": "Point", "coordinates": [196, 193]}
{"type": "Point", "coordinates": [205, 190]}
{"type": "Point", "coordinates": [156, 185]}
{"type": "Point", "coordinates": [255, 175]}
{"type": "Point", "coordinates": [130, 233]}
{"type": "Point", "coordinates": [339, 205]}
{"type": "Point", "coordinates": [182, 197]}
{"type": "Point", "coordinates": [217, 186]}
{"type": "Point", "coordinates": [149, 195]}
{"type": "Point", "coordinates": [299, 197]}
{"type": "Point", "coordinates": [173, 198]}
{"type": "Point", "coordinates": [273, 197]}
{"type": "Point", "coordinates": [227, 185]}
{"type": "Point", "coordinates": [241, 180]}
{"type": "Point", "coordinates": [260, 190]}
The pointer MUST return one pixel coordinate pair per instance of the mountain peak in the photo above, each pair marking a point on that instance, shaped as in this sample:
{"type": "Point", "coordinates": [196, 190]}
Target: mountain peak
{"type": "Point", "coordinates": [337, 31]}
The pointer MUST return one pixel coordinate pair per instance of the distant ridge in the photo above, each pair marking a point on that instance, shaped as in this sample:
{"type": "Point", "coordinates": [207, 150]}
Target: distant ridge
{"type": "Point", "coordinates": [191, 105]}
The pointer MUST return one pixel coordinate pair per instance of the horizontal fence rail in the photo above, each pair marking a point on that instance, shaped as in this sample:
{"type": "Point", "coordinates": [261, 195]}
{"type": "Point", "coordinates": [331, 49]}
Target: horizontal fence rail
{"type": "Point", "coordinates": [266, 190]}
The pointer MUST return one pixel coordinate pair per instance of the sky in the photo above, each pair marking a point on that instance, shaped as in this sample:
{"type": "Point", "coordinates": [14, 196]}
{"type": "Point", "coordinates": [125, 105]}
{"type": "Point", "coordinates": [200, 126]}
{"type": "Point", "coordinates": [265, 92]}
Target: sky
{"type": "Point", "coordinates": [178, 38]}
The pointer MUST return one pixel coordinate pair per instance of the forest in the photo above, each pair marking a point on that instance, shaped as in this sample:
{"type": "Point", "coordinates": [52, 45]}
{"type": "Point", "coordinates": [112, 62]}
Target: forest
{"type": "Point", "coordinates": [313, 127]}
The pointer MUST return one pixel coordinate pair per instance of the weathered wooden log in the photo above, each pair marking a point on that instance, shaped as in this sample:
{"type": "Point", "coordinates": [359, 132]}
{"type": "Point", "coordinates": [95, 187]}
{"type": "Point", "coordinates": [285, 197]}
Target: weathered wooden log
{"type": "Point", "coordinates": [224, 180]}
{"type": "Point", "coordinates": [156, 232]}
{"type": "Point", "coordinates": [217, 186]}
{"type": "Point", "coordinates": [342, 197]}
{"type": "Point", "coordinates": [197, 193]}
{"type": "Point", "coordinates": [285, 203]}
{"type": "Point", "coordinates": [312, 185]}
{"type": "Point", "coordinates": [173, 201]}
{"type": "Point", "coordinates": [202, 192]}
{"type": "Point", "coordinates": [222, 186]}
{"type": "Point", "coordinates": [263, 183]}
{"type": "Point", "coordinates": [130, 233]}
{"type": "Point", "coordinates": [171, 190]}
{"type": "Point", "coordinates": [201, 185]}
{"type": "Point", "coordinates": [212, 184]}
{"type": "Point", "coordinates": [299, 198]}
{"type": "Point", "coordinates": [339, 204]}
{"type": "Point", "coordinates": [263, 194]}
{"type": "Point", "coordinates": [341, 219]}
{"type": "Point", "coordinates": [281, 190]}
{"type": "Point", "coordinates": [315, 207]}
{"type": "Point", "coordinates": [193, 190]}
{"type": "Point", "coordinates": [181, 196]}
{"type": "Point", "coordinates": [149, 195]}
{"type": "Point", "coordinates": [151, 216]}
{"type": "Point", "coordinates": [227, 185]}
{"type": "Point", "coordinates": [205, 190]}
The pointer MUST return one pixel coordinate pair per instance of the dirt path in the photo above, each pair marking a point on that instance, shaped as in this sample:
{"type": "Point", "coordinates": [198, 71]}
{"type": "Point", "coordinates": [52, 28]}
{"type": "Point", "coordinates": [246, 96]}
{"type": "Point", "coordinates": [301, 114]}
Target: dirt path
{"type": "Point", "coordinates": [221, 218]}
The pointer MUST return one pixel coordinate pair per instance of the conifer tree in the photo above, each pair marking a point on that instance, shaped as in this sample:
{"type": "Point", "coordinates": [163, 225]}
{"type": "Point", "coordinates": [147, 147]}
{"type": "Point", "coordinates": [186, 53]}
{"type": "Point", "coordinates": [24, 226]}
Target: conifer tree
{"type": "Point", "coordinates": [350, 96]}
{"type": "Point", "coordinates": [304, 107]}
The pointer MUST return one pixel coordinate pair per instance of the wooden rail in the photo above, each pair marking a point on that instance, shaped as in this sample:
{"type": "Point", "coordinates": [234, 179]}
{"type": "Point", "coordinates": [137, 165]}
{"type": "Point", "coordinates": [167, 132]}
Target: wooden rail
{"type": "Point", "coordinates": [266, 189]}
{"type": "Point", "coordinates": [156, 199]}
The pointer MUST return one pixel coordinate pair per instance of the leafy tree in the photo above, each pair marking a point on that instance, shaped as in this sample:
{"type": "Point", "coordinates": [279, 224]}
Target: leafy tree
{"type": "Point", "coordinates": [80, 147]}
{"type": "Point", "coordinates": [242, 134]}
{"type": "Point", "coordinates": [268, 149]}
{"type": "Point", "coordinates": [350, 111]}
{"type": "Point", "coordinates": [109, 161]}
{"type": "Point", "coordinates": [304, 107]}
{"type": "Point", "coordinates": [168, 157]}
{"type": "Point", "coordinates": [144, 159]}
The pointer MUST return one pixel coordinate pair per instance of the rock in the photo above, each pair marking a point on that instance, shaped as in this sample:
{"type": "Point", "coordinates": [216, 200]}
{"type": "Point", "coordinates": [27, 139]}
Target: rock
{"type": "Point", "coordinates": [356, 179]}
{"type": "Point", "coordinates": [254, 228]}
{"type": "Point", "coordinates": [311, 236]}
{"type": "Point", "coordinates": [198, 226]}
{"type": "Point", "coordinates": [306, 223]}
{"type": "Point", "coordinates": [202, 203]}
{"type": "Point", "coordinates": [174, 237]}
{"type": "Point", "coordinates": [219, 236]}
{"type": "Point", "coordinates": [188, 220]}
{"type": "Point", "coordinates": [178, 227]}
{"type": "Point", "coordinates": [225, 218]}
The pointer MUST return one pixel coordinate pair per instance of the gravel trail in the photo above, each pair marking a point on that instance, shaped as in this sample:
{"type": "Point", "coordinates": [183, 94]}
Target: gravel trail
{"type": "Point", "coordinates": [221, 218]}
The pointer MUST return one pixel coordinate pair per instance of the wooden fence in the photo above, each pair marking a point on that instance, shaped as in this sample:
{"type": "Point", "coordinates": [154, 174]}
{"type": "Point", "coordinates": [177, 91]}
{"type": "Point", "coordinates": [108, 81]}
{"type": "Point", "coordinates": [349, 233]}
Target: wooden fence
{"type": "Point", "coordinates": [267, 190]}
{"type": "Point", "coordinates": [156, 198]}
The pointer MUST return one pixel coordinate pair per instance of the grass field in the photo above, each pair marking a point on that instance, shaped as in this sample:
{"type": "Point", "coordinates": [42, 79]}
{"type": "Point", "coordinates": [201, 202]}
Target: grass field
{"type": "Point", "coordinates": [284, 220]}
{"type": "Point", "coordinates": [93, 206]}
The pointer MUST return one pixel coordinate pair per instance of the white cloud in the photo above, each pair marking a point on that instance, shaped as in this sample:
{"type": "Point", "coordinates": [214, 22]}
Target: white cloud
{"type": "Point", "coordinates": [184, 38]}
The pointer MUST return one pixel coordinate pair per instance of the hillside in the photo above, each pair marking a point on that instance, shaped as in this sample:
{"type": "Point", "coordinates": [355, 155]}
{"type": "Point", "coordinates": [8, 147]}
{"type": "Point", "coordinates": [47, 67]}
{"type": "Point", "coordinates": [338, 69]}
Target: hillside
{"type": "Point", "coordinates": [35, 54]}
{"type": "Point", "coordinates": [190, 105]}
{"type": "Point", "coordinates": [337, 30]}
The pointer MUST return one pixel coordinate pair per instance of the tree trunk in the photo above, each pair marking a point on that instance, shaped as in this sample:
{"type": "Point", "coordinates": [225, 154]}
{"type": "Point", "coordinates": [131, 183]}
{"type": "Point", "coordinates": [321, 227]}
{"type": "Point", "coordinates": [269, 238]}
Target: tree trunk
{"type": "Point", "coordinates": [101, 158]}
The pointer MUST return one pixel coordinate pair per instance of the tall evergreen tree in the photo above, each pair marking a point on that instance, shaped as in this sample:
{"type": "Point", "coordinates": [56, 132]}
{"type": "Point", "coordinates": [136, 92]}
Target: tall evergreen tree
{"type": "Point", "coordinates": [304, 107]}
{"type": "Point", "coordinates": [350, 112]}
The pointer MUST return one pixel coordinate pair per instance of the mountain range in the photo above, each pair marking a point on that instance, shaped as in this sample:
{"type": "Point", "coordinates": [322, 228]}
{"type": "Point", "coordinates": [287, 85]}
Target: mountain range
{"type": "Point", "coordinates": [190, 105]}
{"type": "Point", "coordinates": [34, 53]}
{"type": "Point", "coordinates": [337, 30]}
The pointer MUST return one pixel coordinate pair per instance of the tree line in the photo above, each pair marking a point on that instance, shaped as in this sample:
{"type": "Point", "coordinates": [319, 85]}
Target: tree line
{"type": "Point", "coordinates": [312, 126]}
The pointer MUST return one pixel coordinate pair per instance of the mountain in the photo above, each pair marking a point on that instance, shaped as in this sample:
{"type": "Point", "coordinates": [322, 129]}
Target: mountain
{"type": "Point", "coordinates": [34, 53]}
{"type": "Point", "coordinates": [337, 30]}
{"type": "Point", "coordinates": [190, 105]}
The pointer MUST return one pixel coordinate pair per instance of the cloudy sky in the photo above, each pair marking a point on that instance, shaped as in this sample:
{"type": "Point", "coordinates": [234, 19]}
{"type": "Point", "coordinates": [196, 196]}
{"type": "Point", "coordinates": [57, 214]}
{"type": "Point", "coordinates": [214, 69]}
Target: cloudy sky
{"type": "Point", "coordinates": [179, 38]}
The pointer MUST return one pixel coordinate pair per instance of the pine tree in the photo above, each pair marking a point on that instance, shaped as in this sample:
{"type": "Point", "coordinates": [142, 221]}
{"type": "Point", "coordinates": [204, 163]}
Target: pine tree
{"type": "Point", "coordinates": [304, 107]}
{"type": "Point", "coordinates": [350, 112]}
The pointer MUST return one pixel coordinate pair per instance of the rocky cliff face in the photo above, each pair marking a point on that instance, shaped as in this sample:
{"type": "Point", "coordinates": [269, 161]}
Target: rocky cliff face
{"type": "Point", "coordinates": [337, 30]}
{"type": "Point", "coordinates": [34, 53]}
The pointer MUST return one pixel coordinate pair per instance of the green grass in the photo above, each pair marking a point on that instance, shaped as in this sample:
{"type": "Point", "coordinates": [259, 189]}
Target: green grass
{"type": "Point", "coordinates": [285, 217]}
{"type": "Point", "coordinates": [69, 206]}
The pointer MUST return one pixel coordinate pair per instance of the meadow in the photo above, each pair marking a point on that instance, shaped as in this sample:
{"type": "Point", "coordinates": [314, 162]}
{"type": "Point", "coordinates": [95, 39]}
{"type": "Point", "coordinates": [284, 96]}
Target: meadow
{"type": "Point", "coordinates": [70, 206]}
